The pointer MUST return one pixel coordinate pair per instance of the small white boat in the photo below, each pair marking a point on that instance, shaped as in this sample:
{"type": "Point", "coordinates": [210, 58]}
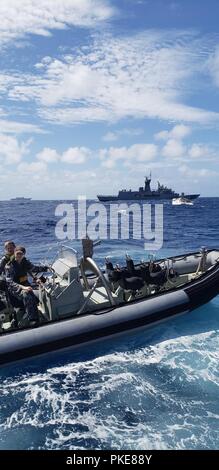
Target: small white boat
{"type": "Point", "coordinates": [179, 201]}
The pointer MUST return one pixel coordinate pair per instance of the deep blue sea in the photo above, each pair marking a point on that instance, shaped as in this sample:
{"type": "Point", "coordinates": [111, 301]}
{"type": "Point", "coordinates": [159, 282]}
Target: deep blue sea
{"type": "Point", "coordinates": [154, 389]}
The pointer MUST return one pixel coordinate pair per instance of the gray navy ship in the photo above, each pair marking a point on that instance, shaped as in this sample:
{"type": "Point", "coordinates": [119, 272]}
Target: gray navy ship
{"type": "Point", "coordinates": [145, 192]}
{"type": "Point", "coordinates": [20, 199]}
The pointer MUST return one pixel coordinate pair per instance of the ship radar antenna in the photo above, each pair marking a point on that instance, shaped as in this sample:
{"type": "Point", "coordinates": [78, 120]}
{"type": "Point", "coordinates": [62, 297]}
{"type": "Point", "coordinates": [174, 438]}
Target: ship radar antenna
{"type": "Point", "coordinates": [147, 178]}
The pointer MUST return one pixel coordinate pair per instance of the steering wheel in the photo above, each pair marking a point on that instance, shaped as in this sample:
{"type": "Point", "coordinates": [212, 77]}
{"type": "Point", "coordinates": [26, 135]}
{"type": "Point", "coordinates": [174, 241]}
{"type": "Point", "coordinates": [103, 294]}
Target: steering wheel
{"type": "Point", "coordinates": [89, 263]}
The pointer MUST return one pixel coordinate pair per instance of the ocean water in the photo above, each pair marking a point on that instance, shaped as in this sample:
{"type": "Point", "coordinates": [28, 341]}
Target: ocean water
{"type": "Point", "coordinates": [156, 388]}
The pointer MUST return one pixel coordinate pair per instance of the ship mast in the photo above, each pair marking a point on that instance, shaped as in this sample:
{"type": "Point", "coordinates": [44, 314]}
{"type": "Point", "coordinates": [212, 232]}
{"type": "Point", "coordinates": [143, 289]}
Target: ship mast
{"type": "Point", "coordinates": [147, 183]}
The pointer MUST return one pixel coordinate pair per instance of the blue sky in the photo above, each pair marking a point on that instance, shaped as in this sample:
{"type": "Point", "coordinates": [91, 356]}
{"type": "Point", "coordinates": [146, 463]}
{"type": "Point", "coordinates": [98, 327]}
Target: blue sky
{"type": "Point", "coordinates": [95, 94]}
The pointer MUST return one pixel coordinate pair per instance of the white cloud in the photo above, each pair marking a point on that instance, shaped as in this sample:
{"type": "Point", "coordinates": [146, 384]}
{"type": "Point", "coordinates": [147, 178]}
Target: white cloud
{"type": "Point", "coordinates": [110, 137]}
{"type": "Point", "coordinates": [75, 115]}
{"type": "Point", "coordinates": [48, 155]}
{"type": "Point", "coordinates": [75, 155]}
{"type": "Point", "coordinates": [22, 17]}
{"type": "Point", "coordinates": [179, 132]}
{"type": "Point", "coordinates": [14, 127]}
{"type": "Point", "coordinates": [197, 173]}
{"type": "Point", "coordinates": [32, 168]}
{"type": "Point", "coordinates": [8, 80]}
{"type": "Point", "coordinates": [173, 149]}
{"type": "Point", "coordinates": [136, 152]}
{"type": "Point", "coordinates": [198, 151]}
{"type": "Point", "coordinates": [11, 150]}
{"type": "Point", "coordinates": [76, 82]}
{"type": "Point", "coordinates": [203, 152]}
{"type": "Point", "coordinates": [113, 136]}
{"type": "Point", "coordinates": [162, 135]}
{"type": "Point", "coordinates": [142, 76]}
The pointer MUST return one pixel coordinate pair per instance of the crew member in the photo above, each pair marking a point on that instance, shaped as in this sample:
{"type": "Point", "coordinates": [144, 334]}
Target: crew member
{"type": "Point", "coordinates": [19, 268]}
{"type": "Point", "coordinates": [8, 256]}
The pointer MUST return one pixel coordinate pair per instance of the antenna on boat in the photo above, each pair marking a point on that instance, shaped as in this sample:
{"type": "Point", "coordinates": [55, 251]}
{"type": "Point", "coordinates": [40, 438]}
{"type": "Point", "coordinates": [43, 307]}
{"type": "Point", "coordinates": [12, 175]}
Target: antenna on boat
{"type": "Point", "coordinates": [88, 246]}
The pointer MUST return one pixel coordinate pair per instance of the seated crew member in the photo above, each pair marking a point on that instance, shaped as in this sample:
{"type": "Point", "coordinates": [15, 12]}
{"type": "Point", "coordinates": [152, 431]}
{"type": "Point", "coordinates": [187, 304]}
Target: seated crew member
{"type": "Point", "coordinates": [22, 297]}
{"type": "Point", "coordinates": [8, 256]}
{"type": "Point", "coordinates": [20, 291]}
{"type": "Point", "coordinates": [19, 268]}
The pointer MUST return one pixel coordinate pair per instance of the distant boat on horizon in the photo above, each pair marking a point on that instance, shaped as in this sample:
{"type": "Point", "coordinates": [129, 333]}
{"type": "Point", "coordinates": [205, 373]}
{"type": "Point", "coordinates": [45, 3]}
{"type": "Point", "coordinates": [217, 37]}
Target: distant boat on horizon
{"type": "Point", "coordinates": [21, 199]}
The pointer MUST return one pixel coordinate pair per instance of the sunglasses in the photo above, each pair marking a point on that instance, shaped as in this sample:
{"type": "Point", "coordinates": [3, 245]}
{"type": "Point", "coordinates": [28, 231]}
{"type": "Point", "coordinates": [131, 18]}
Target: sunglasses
{"type": "Point", "coordinates": [20, 253]}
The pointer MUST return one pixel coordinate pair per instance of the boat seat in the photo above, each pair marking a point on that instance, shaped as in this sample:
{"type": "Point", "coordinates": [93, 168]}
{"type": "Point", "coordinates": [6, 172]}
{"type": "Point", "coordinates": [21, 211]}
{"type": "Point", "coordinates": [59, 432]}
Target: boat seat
{"type": "Point", "coordinates": [135, 277]}
{"type": "Point", "coordinates": [130, 278]}
{"type": "Point", "coordinates": [125, 277]}
{"type": "Point", "coordinates": [114, 275]}
{"type": "Point", "coordinates": [141, 271]}
{"type": "Point", "coordinates": [158, 278]}
{"type": "Point", "coordinates": [131, 283]}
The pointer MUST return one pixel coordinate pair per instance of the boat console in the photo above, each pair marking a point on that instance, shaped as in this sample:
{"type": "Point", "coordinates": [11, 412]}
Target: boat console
{"type": "Point", "coordinates": [62, 294]}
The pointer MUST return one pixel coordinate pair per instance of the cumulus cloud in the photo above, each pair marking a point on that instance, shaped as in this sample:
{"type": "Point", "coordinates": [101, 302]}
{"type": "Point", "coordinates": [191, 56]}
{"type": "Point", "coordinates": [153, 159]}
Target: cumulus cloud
{"type": "Point", "coordinates": [173, 149]}
{"type": "Point", "coordinates": [136, 152]}
{"type": "Point", "coordinates": [178, 132]}
{"type": "Point", "coordinates": [11, 150]}
{"type": "Point", "coordinates": [198, 151]}
{"type": "Point", "coordinates": [203, 152]}
{"type": "Point", "coordinates": [48, 155]}
{"type": "Point", "coordinates": [73, 155]}
{"type": "Point", "coordinates": [22, 17]}
{"type": "Point", "coordinates": [197, 173]}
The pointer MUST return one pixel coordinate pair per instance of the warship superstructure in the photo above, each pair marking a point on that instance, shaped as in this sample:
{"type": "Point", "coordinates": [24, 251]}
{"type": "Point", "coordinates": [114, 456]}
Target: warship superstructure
{"type": "Point", "coordinates": [145, 192]}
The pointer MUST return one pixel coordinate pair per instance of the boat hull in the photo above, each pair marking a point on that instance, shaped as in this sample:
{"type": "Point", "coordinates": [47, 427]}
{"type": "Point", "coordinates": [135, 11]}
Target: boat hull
{"type": "Point", "coordinates": [85, 328]}
{"type": "Point", "coordinates": [144, 197]}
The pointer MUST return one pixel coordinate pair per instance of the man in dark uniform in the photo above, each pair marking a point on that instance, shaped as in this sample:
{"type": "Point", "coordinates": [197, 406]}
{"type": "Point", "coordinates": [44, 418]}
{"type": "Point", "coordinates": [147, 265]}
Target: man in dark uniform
{"type": "Point", "coordinates": [21, 297]}
{"type": "Point", "coordinates": [8, 256]}
{"type": "Point", "coordinates": [20, 292]}
{"type": "Point", "coordinates": [19, 267]}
